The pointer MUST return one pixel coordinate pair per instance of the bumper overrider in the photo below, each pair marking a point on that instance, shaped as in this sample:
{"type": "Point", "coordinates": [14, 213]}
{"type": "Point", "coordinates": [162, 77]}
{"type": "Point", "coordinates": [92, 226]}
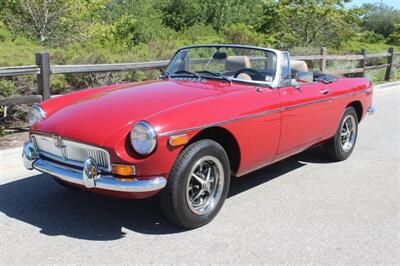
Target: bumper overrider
{"type": "Point", "coordinates": [90, 176]}
{"type": "Point", "coordinates": [371, 110]}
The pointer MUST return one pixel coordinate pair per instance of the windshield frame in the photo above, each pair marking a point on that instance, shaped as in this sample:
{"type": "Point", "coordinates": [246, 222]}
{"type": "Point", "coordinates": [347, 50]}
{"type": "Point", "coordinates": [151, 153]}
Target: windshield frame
{"type": "Point", "coordinates": [275, 82]}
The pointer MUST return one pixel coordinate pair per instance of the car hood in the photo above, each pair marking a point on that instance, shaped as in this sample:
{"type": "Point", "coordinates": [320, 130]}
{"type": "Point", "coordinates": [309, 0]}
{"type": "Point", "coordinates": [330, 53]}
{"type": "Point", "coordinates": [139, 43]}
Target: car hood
{"type": "Point", "coordinates": [93, 115]}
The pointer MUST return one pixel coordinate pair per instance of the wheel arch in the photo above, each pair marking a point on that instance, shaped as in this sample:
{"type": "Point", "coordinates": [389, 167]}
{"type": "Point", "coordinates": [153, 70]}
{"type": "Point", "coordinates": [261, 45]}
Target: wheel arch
{"type": "Point", "coordinates": [357, 105]}
{"type": "Point", "coordinates": [226, 139]}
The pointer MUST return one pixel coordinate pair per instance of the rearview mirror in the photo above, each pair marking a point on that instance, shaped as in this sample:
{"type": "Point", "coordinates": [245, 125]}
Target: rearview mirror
{"type": "Point", "coordinates": [219, 56]}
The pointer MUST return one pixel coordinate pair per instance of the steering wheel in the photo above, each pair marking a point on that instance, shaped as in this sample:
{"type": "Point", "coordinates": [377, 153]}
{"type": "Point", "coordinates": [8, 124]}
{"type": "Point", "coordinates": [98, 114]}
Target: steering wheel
{"type": "Point", "coordinates": [254, 74]}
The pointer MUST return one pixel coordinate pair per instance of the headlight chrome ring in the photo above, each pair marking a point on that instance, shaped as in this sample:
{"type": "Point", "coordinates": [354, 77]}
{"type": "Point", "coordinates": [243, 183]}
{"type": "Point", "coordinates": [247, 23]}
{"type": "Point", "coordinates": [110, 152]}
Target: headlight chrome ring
{"type": "Point", "coordinates": [35, 114]}
{"type": "Point", "coordinates": [143, 138]}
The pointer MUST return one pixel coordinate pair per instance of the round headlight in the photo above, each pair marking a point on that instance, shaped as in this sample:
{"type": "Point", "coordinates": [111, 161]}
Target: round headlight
{"type": "Point", "coordinates": [143, 138]}
{"type": "Point", "coordinates": [35, 114]}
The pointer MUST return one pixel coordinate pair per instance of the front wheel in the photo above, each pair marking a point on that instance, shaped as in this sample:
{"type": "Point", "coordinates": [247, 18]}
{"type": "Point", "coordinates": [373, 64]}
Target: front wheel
{"type": "Point", "coordinates": [341, 146]}
{"type": "Point", "coordinates": [197, 185]}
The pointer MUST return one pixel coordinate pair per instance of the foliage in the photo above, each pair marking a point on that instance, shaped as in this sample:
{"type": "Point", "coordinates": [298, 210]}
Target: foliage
{"type": "Point", "coordinates": [127, 25]}
{"type": "Point", "coordinates": [6, 88]}
{"type": "Point", "coordinates": [394, 37]}
{"type": "Point", "coordinates": [243, 34]}
{"type": "Point", "coordinates": [48, 21]}
{"type": "Point", "coordinates": [176, 15]}
{"type": "Point", "coordinates": [2, 130]}
{"type": "Point", "coordinates": [130, 23]}
{"type": "Point", "coordinates": [180, 14]}
{"type": "Point", "coordinates": [380, 18]}
{"type": "Point", "coordinates": [353, 46]}
{"type": "Point", "coordinates": [308, 22]}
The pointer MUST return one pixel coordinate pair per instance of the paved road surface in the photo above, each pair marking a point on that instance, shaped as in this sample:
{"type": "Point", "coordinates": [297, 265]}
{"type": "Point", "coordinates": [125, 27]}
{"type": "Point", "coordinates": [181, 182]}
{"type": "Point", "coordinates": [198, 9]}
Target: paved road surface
{"type": "Point", "coordinates": [305, 209]}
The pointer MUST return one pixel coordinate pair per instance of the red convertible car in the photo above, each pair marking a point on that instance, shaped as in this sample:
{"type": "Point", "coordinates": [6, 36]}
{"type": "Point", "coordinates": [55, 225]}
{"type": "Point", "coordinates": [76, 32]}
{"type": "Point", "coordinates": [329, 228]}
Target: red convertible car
{"type": "Point", "coordinates": [217, 111]}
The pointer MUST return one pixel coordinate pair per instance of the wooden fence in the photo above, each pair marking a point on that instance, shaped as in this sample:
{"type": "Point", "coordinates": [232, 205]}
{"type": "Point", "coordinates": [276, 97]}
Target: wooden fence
{"type": "Point", "coordinates": [43, 70]}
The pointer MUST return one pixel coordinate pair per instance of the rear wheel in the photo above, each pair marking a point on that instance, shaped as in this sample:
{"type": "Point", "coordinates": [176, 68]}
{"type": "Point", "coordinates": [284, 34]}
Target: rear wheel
{"type": "Point", "coordinates": [197, 186]}
{"type": "Point", "coordinates": [341, 146]}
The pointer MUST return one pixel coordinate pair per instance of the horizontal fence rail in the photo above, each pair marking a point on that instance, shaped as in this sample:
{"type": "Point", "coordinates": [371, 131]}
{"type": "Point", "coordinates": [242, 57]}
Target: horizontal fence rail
{"type": "Point", "coordinates": [31, 99]}
{"type": "Point", "coordinates": [19, 71]}
{"type": "Point", "coordinates": [43, 70]}
{"type": "Point", "coordinates": [65, 69]}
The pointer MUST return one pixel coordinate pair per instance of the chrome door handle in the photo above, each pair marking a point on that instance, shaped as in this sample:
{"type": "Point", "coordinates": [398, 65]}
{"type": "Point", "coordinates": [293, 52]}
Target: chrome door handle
{"type": "Point", "coordinates": [324, 91]}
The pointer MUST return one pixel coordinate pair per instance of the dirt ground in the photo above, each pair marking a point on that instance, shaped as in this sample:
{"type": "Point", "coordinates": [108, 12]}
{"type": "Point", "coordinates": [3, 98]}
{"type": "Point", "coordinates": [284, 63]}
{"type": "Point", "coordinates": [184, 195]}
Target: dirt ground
{"type": "Point", "coordinates": [14, 138]}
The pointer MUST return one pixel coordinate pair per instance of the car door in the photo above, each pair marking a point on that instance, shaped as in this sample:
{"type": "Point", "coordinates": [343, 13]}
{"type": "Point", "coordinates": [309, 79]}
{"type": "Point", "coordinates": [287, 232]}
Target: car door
{"type": "Point", "coordinates": [306, 110]}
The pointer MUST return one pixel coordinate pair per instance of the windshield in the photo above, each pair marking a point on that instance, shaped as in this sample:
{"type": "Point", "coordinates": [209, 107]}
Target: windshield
{"type": "Point", "coordinates": [224, 62]}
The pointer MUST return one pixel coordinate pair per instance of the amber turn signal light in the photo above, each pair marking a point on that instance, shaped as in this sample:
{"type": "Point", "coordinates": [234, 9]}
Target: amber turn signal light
{"type": "Point", "coordinates": [178, 140]}
{"type": "Point", "coordinates": [123, 170]}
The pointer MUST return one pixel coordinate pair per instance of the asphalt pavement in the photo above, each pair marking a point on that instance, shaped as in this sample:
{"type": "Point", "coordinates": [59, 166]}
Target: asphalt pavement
{"type": "Point", "coordinates": [303, 210]}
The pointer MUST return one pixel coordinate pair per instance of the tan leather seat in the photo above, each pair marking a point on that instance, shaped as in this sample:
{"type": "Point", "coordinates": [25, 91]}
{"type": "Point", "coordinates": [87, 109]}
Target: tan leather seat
{"type": "Point", "coordinates": [301, 66]}
{"type": "Point", "coordinates": [236, 62]}
{"type": "Point", "coordinates": [244, 76]}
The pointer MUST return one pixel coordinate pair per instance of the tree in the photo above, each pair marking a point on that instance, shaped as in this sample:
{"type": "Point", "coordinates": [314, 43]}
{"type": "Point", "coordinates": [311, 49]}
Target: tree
{"type": "Point", "coordinates": [308, 22]}
{"type": "Point", "coordinates": [180, 14]}
{"type": "Point", "coordinates": [132, 23]}
{"type": "Point", "coordinates": [394, 37]}
{"type": "Point", "coordinates": [47, 21]}
{"type": "Point", "coordinates": [36, 18]}
{"type": "Point", "coordinates": [222, 13]}
{"type": "Point", "coordinates": [380, 18]}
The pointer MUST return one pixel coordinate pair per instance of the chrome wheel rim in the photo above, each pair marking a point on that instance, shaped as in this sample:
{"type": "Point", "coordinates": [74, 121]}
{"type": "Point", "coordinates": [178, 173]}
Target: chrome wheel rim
{"type": "Point", "coordinates": [204, 185]}
{"type": "Point", "coordinates": [348, 132]}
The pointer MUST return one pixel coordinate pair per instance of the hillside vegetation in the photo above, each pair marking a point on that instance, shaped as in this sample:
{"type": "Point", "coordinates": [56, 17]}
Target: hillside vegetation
{"type": "Point", "coordinates": [108, 31]}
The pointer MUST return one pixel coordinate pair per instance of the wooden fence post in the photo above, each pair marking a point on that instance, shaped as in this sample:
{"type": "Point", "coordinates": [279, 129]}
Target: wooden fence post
{"type": "Point", "coordinates": [390, 61]}
{"type": "Point", "coordinates": [363, 61]}
{"type": "Point", "coordinates": [43, 78]}
{"type": "Point", "coordinates": [322, 62]}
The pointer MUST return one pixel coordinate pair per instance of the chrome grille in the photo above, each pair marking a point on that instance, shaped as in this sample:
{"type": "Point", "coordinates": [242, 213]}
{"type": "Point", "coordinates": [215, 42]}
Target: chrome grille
{"type": "Point", "coordinates": [70, 152]}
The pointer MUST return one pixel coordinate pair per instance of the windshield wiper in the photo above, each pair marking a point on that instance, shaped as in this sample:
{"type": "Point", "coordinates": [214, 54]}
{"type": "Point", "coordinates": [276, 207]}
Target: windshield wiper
{"type": "Point", "coordinates": [219, 75]}
{"type": "Point", "coordinates": [187, 72]}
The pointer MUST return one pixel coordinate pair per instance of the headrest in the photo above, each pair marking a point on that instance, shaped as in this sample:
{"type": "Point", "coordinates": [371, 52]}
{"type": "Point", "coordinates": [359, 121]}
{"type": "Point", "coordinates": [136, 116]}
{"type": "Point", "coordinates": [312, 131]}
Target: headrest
{"type": "Point", "coordinates": [244, 76]}
{"type": "Point", "coordinates": [299, 66]}
{"type": "Point", "coordinates": [236, 62]}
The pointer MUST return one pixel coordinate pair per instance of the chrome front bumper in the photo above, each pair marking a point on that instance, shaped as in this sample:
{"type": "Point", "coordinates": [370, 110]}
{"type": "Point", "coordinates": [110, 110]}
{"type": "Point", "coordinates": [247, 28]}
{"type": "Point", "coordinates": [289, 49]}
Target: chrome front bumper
{"type": "Point", "coordinates": [90, 177]}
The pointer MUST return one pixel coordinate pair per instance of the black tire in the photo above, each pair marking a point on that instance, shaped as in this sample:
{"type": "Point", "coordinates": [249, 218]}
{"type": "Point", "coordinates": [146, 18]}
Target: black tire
{"type": "Point", "coordinates": [175, 196]}
{"type": "Point", "coordinates": [334, 147]}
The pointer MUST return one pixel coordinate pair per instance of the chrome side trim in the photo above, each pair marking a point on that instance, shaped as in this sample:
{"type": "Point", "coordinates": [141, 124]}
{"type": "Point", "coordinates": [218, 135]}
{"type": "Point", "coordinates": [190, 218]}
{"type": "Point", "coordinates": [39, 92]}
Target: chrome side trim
{"type": "Point", "coordinates": [219, 123]}
{"type": "Point", "coordinates": [306, 104]}
{"type": "Point", "coordinates": [182, 131]}
{"type": "Point", "coordinates": [351, 94]}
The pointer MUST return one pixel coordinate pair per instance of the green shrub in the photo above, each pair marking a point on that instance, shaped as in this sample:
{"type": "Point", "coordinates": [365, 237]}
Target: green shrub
{"type": "Point", "coordinates": [394, 37]}
{"type": "Point", "coordinates": [356, 46]}
{"type": "Point", "coordinates": [59, 84]}
{"type": "Point", "coordinates": [6, 88]}
{"type": "Point", "coordinates": [137, 76]}
{"type": "Point", "coordinates": [243, 34]}
{"type": "Point", "coordinates": [2, 129]}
